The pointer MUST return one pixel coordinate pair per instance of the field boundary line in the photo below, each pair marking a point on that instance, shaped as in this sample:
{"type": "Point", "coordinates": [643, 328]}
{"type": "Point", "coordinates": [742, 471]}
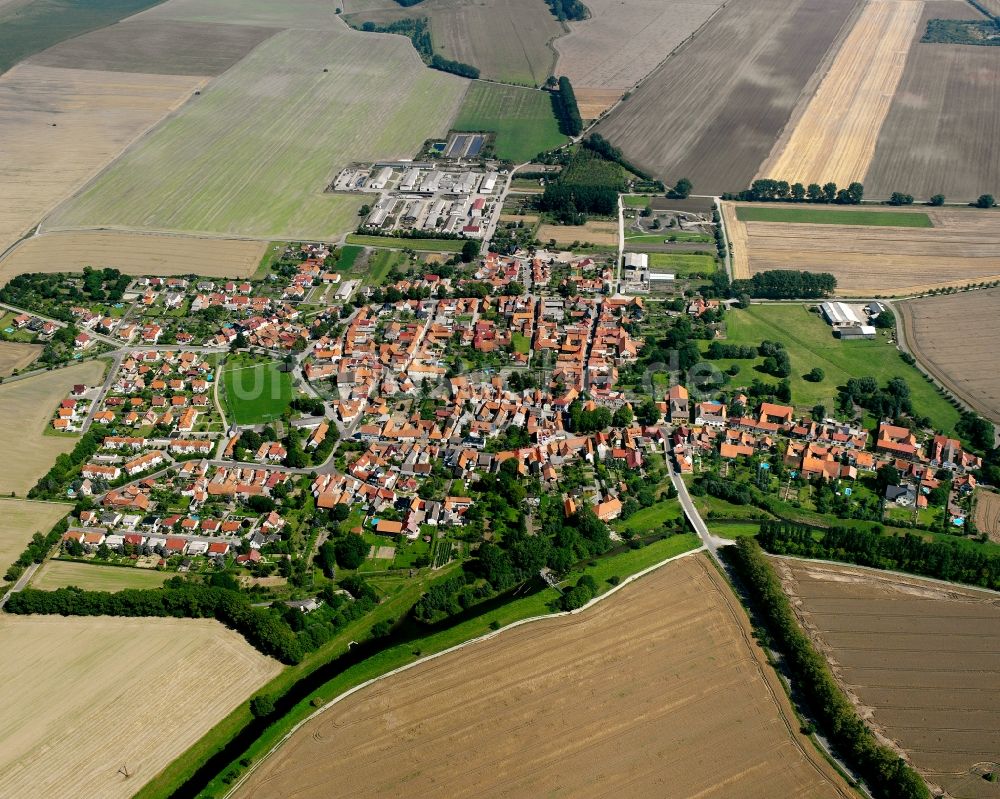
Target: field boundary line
{"type": "Point", "coordinates": [479, 639]}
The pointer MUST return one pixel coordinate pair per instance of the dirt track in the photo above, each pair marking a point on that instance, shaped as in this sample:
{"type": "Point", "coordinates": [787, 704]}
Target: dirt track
{"type": "Point", "coordinates": [658, 690]}
{"type": "Point", "coordinates": [920, 659]}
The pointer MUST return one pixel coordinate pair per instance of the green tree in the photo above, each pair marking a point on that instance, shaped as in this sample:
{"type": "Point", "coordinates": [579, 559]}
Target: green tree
{"type": "Point", "coordinates": [937, 199]}
{"type": "Point", "coordinates": [350, 551]}
{"type": "Point", "coordinates": [262, 705]}
{"type": "Point", "coordinates": [815, 375]}
{"type": "Point", "coordinates": [470, 251]}
{"type": "Point", "coordinates": [985, 201]}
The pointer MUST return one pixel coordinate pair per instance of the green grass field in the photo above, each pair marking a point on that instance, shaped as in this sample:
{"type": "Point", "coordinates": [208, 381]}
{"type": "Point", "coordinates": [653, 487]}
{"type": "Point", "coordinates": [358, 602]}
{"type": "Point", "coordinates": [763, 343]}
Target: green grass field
{"type": "Point", "coordinates": [829, 216]}
{"type": "Point", "coordinates": [664, 237]}
{"type": "Point", "coordinates": [95, 577]}
{"type": "Point", "coordinates": [417, 245]}
{"type": "Point", "coordinates": [521, 342]}
{"type": "Point", "coordinates": [29, 28]}
{"type": "Point", "coordinates": [255, 391]}
{"type": "Point", "coordinates": [650, 519]}
{"type": "Point", "coordinates": [522, 119]}
{"type": "Point", "coordinates": [635, 200]}
{"type": "Point", "coordinates": [348, 255]}
{"type": "Point", "coordinates": [681, 264]}
{"type": "Point", "coordinates": [810, 342]}
{"type": "Point", "coordinates": [254, 153]}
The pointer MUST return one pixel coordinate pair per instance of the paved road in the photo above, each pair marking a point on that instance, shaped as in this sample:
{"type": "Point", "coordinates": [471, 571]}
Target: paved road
{"type": "Point", "coordinates": [21, 583]}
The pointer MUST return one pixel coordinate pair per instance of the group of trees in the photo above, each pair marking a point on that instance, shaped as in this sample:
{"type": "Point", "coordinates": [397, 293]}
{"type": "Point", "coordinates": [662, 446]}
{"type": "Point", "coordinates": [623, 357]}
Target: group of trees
{"type": "Point", "coordinates": [781, 284]}
{"type": "Point", "coordinates": [887, 775]}
{"type": "Point", "coordinates": [891, 402]}
{"type": "Point", "coordinates": [718, 350]}
{"type": "Point", "coordinates": [943, 560]}
{"type": "Point", "coordinates": [566, 109]}
{"type": "Point", "coordinates": [769, 190]}
{"type": "Point", "coordinates": [564, 10]}
{"type": "Point", "coordinates": [681, 190]}
{"type": "Point", "coordinates": [776, 361]}
{"type": "Point", "coordinates": [606, 150]}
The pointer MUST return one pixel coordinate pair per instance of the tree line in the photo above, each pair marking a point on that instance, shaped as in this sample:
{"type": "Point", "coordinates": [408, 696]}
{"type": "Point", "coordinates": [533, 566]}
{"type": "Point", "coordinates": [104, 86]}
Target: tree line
{"type": "Point", "coordinates": [566, 109]}
{"type": "Point", "coordinates": [886, 774]}
{"type": "Point", "coordinates": [943, 560]}
{"type": "Point", "coordinates": [770, 190]}
{"type": "Point", "coordinates": [787, 284]}
{"type": "Point", "coordinates": [419, 33]}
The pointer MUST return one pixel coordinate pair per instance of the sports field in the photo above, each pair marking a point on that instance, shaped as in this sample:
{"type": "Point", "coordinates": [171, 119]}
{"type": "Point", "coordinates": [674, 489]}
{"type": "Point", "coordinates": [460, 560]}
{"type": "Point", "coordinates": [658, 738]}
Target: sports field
{"type": "Point", "coordinates": [255, 391]}
{"type": "Point", "coordinates": [522, 119]}
{"type": "Point", "coordinates": [810, 343]}
{"type": "Point", "coordinates": [20, 520]}
{"type": "Point", "coordinates": [831, 216]}
{"type": "Point", "coordinates": [254, 153]}
{"type": "Point", "coordinates": [60, 127]}
{"type": "Point", "coordinates": [668, 669]}
{"type": "Point", "coordinates": [26, 409]}
{"type": "Point", "coordinates": [835, 137]}
{"type": "Point", "coordinates": [133, 254]}
{"type": "Point", "coordinates": [918, 658]}
{"type": "Point", "coordinates": [91, 577]}
{"type": "Point", "coordinates": [84, 696]}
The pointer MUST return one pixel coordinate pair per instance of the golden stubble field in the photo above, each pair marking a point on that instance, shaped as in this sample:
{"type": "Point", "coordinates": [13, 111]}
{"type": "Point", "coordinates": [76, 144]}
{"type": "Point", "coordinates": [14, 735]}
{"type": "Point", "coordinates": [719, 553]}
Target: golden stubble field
{"type": "Point", "coordinates": [957, 338]}
{"type": "Point", "coordinates": [21, 519]}
{"type": "Point", "coordinates": [623, 41]}
{"type": "Point", "coordinates": [987, 516]}
{"type": "Point", "coordinates": [962, 248]}
{"type": "Point", "coordinates": [59, 127]}
{"type": "Point", "coordinates": [134, 254]}
{"type": "Point", "coordinates": [595, 231]}
{"type": "Point", "coordinates": [835, 137]}
{"type": "Point", "coordinates": [84, 696]}
{"type": "Point", "coordinates": [658, 690]}
{"type": "Point", "coordinates": [26, 408]}
{"type": "Point", "coordinates": [15, 356]}
{"type": "Point", "coordinates": [919, 659]}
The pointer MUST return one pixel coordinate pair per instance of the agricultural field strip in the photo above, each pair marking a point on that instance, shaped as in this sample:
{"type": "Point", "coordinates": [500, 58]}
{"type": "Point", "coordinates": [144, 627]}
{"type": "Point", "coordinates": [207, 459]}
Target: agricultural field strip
{"type": "Point", "coordinates": [703, 115]}
{"type": "Point", "coordinates": [621, 42]}
{"type": "Point", "coordinates": [835, 138]}
{"type": "Point", "coordinates": [987, 516]}
{"type": "Point", "coordinates": [218, 166]}
{"type": "Point", "coordinates": [133, 253]}
{"type": "Point", "coordinates": [21, 519]}
{"type": "Point", "coordinates": [892, 668]}
{"type": "Point", "coordinates": [940, 133]}
{"type": "Point", "coordinates": [60, 127]}
{"type": "Point", "coordinates": [532, 694]}
{"type": "Point", "coordinates": [957, 339]}
{"type": "Point", "coordinates": [302, 14]}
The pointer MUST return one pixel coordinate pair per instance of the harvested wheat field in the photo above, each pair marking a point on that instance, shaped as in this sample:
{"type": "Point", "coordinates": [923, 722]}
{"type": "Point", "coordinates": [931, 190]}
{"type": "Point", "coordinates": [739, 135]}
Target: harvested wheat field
{"type": "Point", "coordinates": [253, 155]}
{"type": "Point", "coordinates": [835, 137]}
{"type": "Point", "coordinates": [19, 520]}
{"type": "Point", "coordinates": [633, 695]}
{"type": "Point", "coordinates": [736, 232]}
{"type": "Point", "coordinates": [133, 691]}
{"type": "Point", "coordinates": [594, 102]}
{"type": "Point", "coordinates": [624, 40]}
{"type": "Point", "coordinates": [962, 248]}
{"type": "Point", "coordinates": [714, 110]}
{"type": "Point", "coordinates": [134, 254]}
{"type": "Point", "coordinates": [920, 659]}
{"type": "Point", "coordinates": [987, 516]}
{"type": "Point", "coordinates": [59, 127]}
{"type": "Point", "coordinates": [604, 234]}
{"type": "Point", "coordinates": [15, 356]}
{"type": "Point", "coordinates": [26, 408]}
{"type": "Point", "coordinates": [956, 337]}
{"type": "Point", "coordinates": [304, 14]}
{"type": "Point", "coordinates": [160, 46]}
{"type": "Point", "coordinates": [940, 135]}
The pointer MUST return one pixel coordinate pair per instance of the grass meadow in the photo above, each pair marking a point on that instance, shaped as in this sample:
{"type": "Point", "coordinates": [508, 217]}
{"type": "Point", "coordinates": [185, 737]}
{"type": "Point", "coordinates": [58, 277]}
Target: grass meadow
{"type": "Point", "coordinates": [830, 216]}
{"type": "Point", "coordinates": [255, 391]}
{"type": "Point", "coordinates": [681, 264]}
{"type": "Point", "coordinates": [522, 119]}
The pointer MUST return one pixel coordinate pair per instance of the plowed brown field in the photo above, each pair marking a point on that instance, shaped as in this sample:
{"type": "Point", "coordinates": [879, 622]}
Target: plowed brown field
{"type": "Point", "coordinates": [920, 659]}
{"type": "Point", "coordinates": [658, 690]}
{"type": "Point", "coordinates": [714, 110]}
{"type": "Point", "coordinates": [962, 248]}
{"type": "Point", "coordinates": [835, 137]}
{"type": "Point", "coordinates": [957, 338]}
{"type": "Point", "coordinates": [940, 135]}
{"type": "Point", "coordinates": [988, 513]}
{"type": "Point", "coordinates": [134, 254]}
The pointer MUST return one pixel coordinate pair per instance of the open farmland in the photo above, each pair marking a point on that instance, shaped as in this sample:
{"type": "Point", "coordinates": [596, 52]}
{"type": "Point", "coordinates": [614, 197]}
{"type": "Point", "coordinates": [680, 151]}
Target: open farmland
{"type": "Point", "coordinates": [522, 119]}
{"type": "Point", "coordinates": [134, 254]}
{"type": "Point", "coordinates": [604, 234]}
{"type": "Point", "coordinates": [59, 127]}
{"type": "Point", "coordinates": [669, 672]}
{"type": "Point", "coordinates": [621, 42]}
{"type": "Point", "coordinates": [987, 517]}
{"type": "Point", "coordinates": [19, 520]}
{"type": "Point", "coordinates": [167, 47]}
{"type": "Point", "coordinates": [714, 110]}
{"type": "Point", "coordinates": [508, 40]}
{"type": "Point", "coordinates": [956, 337]}
{"type": "Point", "coordinates": [303, 14]}
{"type": "Point", "coordinates": [26, 407]}
{"type": "Point", "coordinates": [940, 133]}
{"type": "Point", "coordinates": [92, 577]}
{"type": "Point", "coordinates": [961, 247]}
{"type": "Point", "coordinates": [254, 153]}
{"type": "Point", "coordinates": [152, 688]}
{"type": "Point", "coordinates": [918, 657]}
{"type": "Point", "coordinates": [835, 137]}
{"type": "Point", "coordinates": [810, 343]}
{"type": "Point", "coordinates": [15, 356]}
